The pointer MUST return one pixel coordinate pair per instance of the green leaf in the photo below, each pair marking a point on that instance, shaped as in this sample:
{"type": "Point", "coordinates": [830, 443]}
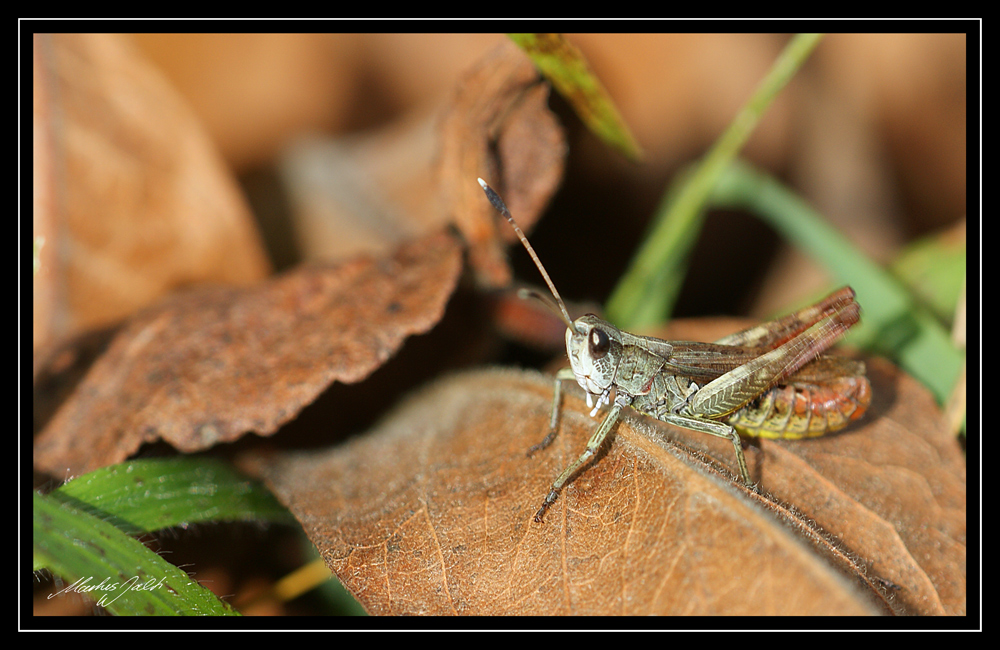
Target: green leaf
{"type": "Point", "coordinates": [150, 494]}
{"type": "Point", "coordinates": [122, 575]}
{"type": "Point", "coordinates": [83, 530]}
{"type": "Point", "coordinates": [36, 252]}
{"type": "Point", "coordinates": [565, 66]}
{"type": "Point", "coordinates": [934, 269]}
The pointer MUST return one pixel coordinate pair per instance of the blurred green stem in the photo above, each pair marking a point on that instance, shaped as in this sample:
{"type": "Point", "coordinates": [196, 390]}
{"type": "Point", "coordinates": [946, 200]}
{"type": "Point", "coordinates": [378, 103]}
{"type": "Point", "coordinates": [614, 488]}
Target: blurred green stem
{"type": "Point", "coordinates": [892, 323]}
{"type": "Point", "coordinates": [647, 291]}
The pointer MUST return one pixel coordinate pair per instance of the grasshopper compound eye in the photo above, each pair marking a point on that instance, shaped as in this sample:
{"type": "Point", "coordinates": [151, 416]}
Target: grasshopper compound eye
{"type": "Point", "coordinates": [599, 343]}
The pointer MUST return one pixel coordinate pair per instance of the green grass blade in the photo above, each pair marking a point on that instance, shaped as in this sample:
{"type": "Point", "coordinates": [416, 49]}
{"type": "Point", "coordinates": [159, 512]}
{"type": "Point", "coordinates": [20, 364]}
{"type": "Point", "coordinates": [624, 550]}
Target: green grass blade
{"type": "Point", "coordinates": [646, 293]}
{"type": "Point", "coordinates": [893, 323]}
{"type": "Point", "coordinates": [83, 529]}
{"type": "Point", "coordinates": [78, 546]}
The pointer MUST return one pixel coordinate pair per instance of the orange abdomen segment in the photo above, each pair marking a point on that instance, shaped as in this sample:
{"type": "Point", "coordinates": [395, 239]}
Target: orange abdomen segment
{"type": "Point", "coordinates": [804, 410]}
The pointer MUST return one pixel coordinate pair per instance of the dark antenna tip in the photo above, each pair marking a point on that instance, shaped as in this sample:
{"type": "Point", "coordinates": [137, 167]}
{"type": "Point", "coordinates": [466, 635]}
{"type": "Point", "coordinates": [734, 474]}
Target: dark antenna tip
{"type": "Point", "coordinates": [501, 207]}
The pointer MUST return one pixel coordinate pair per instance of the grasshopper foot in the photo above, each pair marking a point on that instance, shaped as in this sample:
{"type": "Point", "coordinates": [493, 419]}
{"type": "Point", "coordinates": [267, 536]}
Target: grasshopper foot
{"type": "Point", "coordinates": [543, 444]}
{"type": "Point", "coordinates": [549, 500]}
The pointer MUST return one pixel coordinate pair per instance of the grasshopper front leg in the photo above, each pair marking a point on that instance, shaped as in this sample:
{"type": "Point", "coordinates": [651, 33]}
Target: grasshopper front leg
{"type": "Point", "coordinates": [621, 401]}
{"type": "Point", "coordinates": [561, 376]}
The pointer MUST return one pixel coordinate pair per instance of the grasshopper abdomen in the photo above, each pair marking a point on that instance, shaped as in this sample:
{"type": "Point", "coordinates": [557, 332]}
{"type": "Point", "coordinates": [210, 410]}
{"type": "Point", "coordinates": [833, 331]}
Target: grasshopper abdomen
{"type": "Point", "coordinates": [805, 409]}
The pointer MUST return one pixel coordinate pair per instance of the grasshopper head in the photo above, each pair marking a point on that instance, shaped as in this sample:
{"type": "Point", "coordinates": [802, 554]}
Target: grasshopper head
{"type": "Point", "coordinates": [594, 347]}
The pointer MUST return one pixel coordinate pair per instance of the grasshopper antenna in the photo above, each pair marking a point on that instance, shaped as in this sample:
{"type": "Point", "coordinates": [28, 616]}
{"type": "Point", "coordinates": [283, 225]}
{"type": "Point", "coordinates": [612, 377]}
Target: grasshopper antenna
{"type": "Point", "coordinates": [502, 209]}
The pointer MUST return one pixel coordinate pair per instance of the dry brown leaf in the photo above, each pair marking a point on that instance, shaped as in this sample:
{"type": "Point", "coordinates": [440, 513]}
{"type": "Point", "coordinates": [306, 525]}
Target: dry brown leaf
{"type": "Point", "coordinates": [431, 513]}
{"type": "Point", "coordinates": [370, 192]}
{"type": "Point", "coordinates": [254, 92]}
{"type": "Point", "coordinates": [904, 467]}
{"type": "Point", "coordinates": [129, 194]}
{"type": "Point", "coordinates": [362, 194]}
{"type": "Point", "coordinates": [193, 371]}
{"type": "Point", "coordinates": [498, 126]}
{"type": "Point", "coordinates": [208, 366]}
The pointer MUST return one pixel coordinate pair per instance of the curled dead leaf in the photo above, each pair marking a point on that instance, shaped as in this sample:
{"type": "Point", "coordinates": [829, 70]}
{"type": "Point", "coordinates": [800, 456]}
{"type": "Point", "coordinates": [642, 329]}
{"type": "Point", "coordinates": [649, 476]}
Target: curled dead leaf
{"type": "Point", "coordinates": [370, 192]}
{"type": "Point", "coordinates": [498, 126]}
{"type": "Point", "coordinates": [208, 366]}
{"type": "Point", "coordinates": [431, 513]}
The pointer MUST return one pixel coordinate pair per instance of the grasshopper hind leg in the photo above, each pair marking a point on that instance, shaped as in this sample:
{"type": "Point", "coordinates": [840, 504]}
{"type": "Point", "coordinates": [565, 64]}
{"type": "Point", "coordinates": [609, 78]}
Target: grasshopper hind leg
{"type": "Point", "coordinates": [719, 430]}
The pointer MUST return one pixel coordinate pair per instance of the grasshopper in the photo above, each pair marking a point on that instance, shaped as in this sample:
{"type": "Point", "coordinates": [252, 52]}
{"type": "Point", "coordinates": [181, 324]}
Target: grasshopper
{"type": "Point", "coordinates": [767, 381]}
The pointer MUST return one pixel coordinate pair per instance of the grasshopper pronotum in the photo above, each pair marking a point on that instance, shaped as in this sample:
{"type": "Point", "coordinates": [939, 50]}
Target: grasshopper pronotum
{"type": "Point", "coordinates": [767, 381]}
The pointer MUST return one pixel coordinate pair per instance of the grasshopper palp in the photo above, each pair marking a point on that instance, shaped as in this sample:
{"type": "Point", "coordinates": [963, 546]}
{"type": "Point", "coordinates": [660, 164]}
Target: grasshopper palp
{"type": "Point", "coordinates": [765, 381]}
